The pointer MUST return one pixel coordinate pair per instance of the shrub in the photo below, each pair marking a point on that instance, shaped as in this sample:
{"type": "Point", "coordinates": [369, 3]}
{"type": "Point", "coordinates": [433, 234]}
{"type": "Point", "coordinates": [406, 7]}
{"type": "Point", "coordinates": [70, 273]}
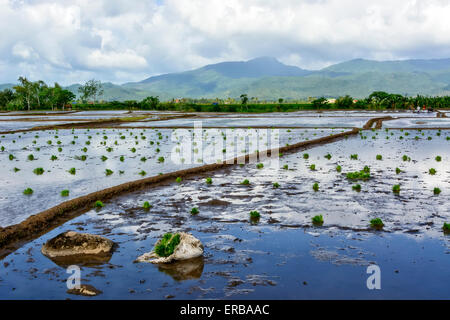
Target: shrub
{"type": "Point", "coordinates": [376, 223]}
{"type": "Point", "coordinates": [194, 211]}
{"type": "Point", "coordinates": [28, 191]}
{"type": "Point", "coordinates": [65, 193]}
{"type": "Point", "coordinates": [166, 246]}
{"type": "Point", "coordinates": [317, 220]}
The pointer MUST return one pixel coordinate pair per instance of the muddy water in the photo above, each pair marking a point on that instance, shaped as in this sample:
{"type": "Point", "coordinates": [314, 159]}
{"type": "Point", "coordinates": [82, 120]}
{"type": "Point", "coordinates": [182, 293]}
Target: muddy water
{"type": "Point", "coordinates": [133, 145]}
{"type": "Point", "coordinates": [418, 123]}
{"type": "Point", "coordinates": [282, 256]}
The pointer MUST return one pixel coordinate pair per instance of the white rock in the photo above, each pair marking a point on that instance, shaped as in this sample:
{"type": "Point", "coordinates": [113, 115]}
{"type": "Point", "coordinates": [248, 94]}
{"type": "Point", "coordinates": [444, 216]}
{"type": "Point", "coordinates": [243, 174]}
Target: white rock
{"type": "Point", "coordinates": [189, 247]}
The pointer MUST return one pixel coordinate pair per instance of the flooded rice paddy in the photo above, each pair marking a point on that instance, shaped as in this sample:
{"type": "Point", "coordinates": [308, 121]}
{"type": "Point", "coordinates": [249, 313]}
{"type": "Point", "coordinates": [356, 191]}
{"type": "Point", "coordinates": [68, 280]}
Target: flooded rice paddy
{"type": "Point", "coordinates": [282, 255]}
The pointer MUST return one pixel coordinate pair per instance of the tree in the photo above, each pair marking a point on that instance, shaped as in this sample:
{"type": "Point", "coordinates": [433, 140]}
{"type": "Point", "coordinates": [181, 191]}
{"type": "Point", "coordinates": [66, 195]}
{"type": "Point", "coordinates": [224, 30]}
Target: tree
{"type": "Point", "coordinates": [320, 102]}
{"type": "Point", "coordinates": [25, 90]}
{"type": "Point", "coordinates": [345, 102]}
{"type": "Point", "coordinates": [150, 103]}
{"type": "Point", "coordinates": [244, 99]}
{"type": "Point", "coordinates": [91, 89]}
{"type": "Point", "coordinates": [6, 96]}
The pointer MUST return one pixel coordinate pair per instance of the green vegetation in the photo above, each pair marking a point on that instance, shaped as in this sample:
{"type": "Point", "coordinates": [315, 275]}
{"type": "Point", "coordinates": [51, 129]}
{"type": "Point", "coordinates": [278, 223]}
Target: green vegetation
{"type": "Point", "coordinates": [317, 220]}
{"type": "Point", "coordinates": [178, 179]}
{"type": "Point", "coordinates": [276, 185]}
{"type": "Point", "coordinates": [38, 171]}
{"type": "Point", "coordinates": [312, 167]}
{"type": "Point", "coordinates": [446, 227]}
{"type": "Point", "coordinates": [254, 215]}
{"type": "Point", "coordinates": [305, 156]}
{"type": "Point", "coordinates": [398, 170]}
{"type": "Point", "coordinates": [328, 156]}
{"type": "Point", "coordinates": [339, 169]}
{"type": "Point", "coordinates": [245, 182]}
{"type": "Point", "coordinates": [396, 188]}
{"type": "Point", "coordinates": [147, 205]}
{"type": "Point", "coordinates": [432, 171]}
{"type": "Point", "coordinates": [438, 158]}
{"type": "Point", "coordinates": [167, 245]}
{"type": "Point", "coordinates": [315, 187]}
{"type": "Point", "coordinates": [108, 172]}
{"type": "Point", "coordinates": [104, 158]}
{"type": "Point", "coordinates": [359, 175]}
{"type": "Point", "coordinates": [28, 191]}
{"type": "Point", "coordinates": [209, 180]}
{"type": "Point", "coordinates": [194, 211]}
{"type": "Point", "coordinates": [98, 204]}
{"type": "Point", "coordinates": [142, 173]}
{"type": "Point", "coordinates": [379, 157]}
{"type": "Point", "coordinates": [53, 158]}
{"type": "Point", "coordinates": [354, 156]}
{"type": "Point", "coordinates": [437, 191]}
{"type": "Point", "coordinates": [356, 187]}
{"type": "Point", "coordinates": [260, 166]}
{"type": "Point", "coordinates": [31, 157]}
{"type": "Point", "coordinates": [65, 193]}
{"type": "Point", "coordinates": [161, 159]}
{"type": "Point", "coordinates": [72, 171]}
{"type": "Point", "coordinates": [376, 223]}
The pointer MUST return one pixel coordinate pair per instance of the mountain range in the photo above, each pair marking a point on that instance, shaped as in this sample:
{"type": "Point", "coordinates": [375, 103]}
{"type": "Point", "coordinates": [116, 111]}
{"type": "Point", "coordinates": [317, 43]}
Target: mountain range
{"type": "Point", "coordinates": [268, 79]}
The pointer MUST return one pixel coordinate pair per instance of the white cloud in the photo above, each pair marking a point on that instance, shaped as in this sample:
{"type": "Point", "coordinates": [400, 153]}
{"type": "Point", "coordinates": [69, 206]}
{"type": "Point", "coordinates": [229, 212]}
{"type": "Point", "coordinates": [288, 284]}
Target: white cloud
{"type": "Point", "coordinates": [120, 41]}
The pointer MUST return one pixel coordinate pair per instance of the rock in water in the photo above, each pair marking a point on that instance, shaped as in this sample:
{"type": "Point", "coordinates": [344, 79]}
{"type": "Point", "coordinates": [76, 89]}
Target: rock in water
{"type": "Point", "coordinates": [189, 247]}
{"type": "Point", "coordinates": [72, 247]}
{"type": "Point", "coordinates": [85, 290]}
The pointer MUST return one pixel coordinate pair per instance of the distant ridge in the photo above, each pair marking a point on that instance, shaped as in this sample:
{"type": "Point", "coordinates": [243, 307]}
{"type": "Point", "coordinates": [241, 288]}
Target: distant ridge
{"type": "Point", "coordinates": [268, 79]}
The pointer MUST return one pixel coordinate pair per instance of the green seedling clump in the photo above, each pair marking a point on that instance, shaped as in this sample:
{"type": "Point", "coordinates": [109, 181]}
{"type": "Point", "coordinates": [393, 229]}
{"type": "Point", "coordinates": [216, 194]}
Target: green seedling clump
{"type": "Point", "coordinates": [339, 169]}
{"type": "Point", "coordinates": [161, 159]}
{"type": "Point", "coordinates": [446, 227]}
{"type": "Point", "coordinates": [379, 157]}
{"type": "Point", "coordinates": [312, 167]}
{"type": "Point", "coordinates": [194, 211]}
{"type": "Point", "coordinates": [38, 171]}
{"type": "Point", "coordinates": [437, 191]}
{"type": "Point", "coordinates": [254, 215]}
{"type": "Point", "coordinates": [65, 193]}
{"type": "Point", "coordinates": [354, 157]}
{"type": "Point", "coordinates": [359, 175]}
{"type": "Point", "coordinates": [142, 173]}
{"type": "Point", "coordinates": [276, 185]}
{"type": "Point", "coordinates": [246, 182]}
{"type": "Point", "coordinates": [53, 158]}
{"type": "Point", "coordinates": [432, 171]}
{"type": "Point", "coordinates": [357, 187]}
{"type": "Point", "coordinates": [316, 187]}
{"type": "Point", "coordinates": [98, 204]}
{"type": "Point", "coordinates": [396, 188]}
{"type": "Point", "coordinates": [178, 179]}
{"type": "Point", "coordinates": [317, 220]}
{"type": "Point", "coordinates": [376, 223]}
{"type": "Point", "coordinates": [31, 157]}
{"type": "Point", "coordinates": [328, 156]}
{"type": "Point", "coordinates": [28, 191]}
{"type": "Point", "coordinates": [72, 171]}
{"type": "Point", "coordinates": [208, 180]}
{"type": "Point", "coordinates": [438, 158]}
{"type": "Point", "coordinates": [166, 246]}
{"type": "Point", "coordinates": [398, 170]}
{"type": "Point", "coordinates": [260, 166]}
{"type": "Point", "coordinates": [146, 205]}
{"type": "Point", "coordinates": [305, 156]}
{"type": "Point", "coordinates": [108, 172]}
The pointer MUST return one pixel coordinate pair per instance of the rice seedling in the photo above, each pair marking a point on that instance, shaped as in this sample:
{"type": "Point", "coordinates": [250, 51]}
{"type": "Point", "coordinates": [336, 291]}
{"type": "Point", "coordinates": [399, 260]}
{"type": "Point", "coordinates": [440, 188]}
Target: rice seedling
{"type": "Point", "coordinates": [178, 179]}
{"type": "Point", "coordinates": [65, 193]}
{"type": "Point", "coordinates": [166, 246]}
{"type": "Point", "coordinates": [305, 156]}
{"type": "Point", "coordinates": [245, 182]}
{"type": "Point", "coordinates": [38, 171]}
{"type": "Point", "coordinates": [260, 166]}
{"type": "Point", "coordinates": [208, 180]}
{"type": "Point", "coordinates": [146, 205]}
{"type": "Point", "coordinates": [254, 216]}
{"type": "Point", "coordinates": [315, 187]}
{"type": "Point", "coordinates": [28, 191]}
{"type": "Point", "coordinates": [286, 167]}
{"type": "Point", "coordinates": [317, 220]}
{"type": "Point", "coordinates": [398, 170]}
{"type": "Point", "coordinates": [108, 172]}
{"type": "Point", "coordinates": [161, 159]}
{"type": "Point", "coordinates": [379, 157]}
{"type": "Point", "coordinates": [98, 204]}
{"type": "Point", "coordinates": [276, 185]}
{"type": "Point", "coordinates": [396, 188]}
{"type": "Point", "coordinates": [312, 167]}
{"type": "Point", "coordinates": [104, 158]}
{"type": "Point", "coordinates": [354, 157]}
{"type": "Point", "coordinates": [122, 158]}
{"type": "Point", "coordinates": [432, 171]}
{"type": "Point", "coordinates": [16, 169]}
{"type": "Point", "coordinates": [328, 156]}
{"type": "Point", "coordinates": [11, 157]}
{"type": "Point", "coordinates": [437, 191]}
{"type": "Point", "coordinates": [356, 187]}
{"type": "Point", "coordinates": [142, 173]}
{"type": "Point", "coordinates": [438, 158]}
{"type": "Point", "coordinates": [72, 171]}
{"type": "Point", "coordinates": [446, 227]}
{"type": "Point", "coordinates": [358, 175]}
{"type": "Point", "coordinates": [339, 169]}
{"type": "Point", "coordinates": [376, 223]}
{"type": "Point", "coordinates": [143, 159]}
{"type": "Point", "coordinates": [31, 157]}
{"type": "Point", "coordinates": [194, 211]}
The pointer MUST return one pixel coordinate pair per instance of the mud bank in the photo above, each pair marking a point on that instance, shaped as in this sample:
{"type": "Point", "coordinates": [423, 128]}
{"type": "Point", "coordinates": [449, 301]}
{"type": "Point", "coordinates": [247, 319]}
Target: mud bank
{"type": "Point", "coordinates": [13, 236]}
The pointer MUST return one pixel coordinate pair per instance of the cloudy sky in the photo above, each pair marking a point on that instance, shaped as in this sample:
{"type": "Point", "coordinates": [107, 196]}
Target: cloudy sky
{"type": "Point", "coordinates": [121, 41]}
